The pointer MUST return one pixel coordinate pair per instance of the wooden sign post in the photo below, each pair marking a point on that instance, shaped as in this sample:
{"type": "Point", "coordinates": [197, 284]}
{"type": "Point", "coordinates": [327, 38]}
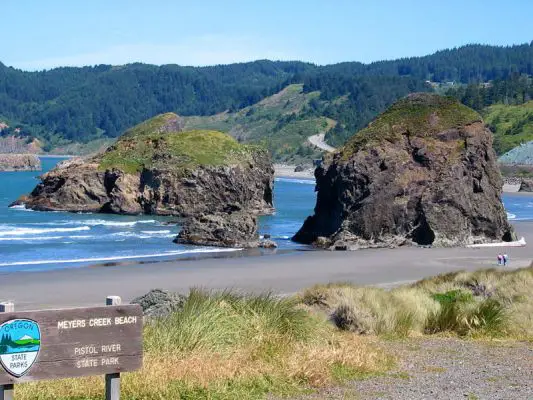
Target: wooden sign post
{"type": "Point", "coordinates": [7, 391]}
{"type": "Point", "coordinates": [55, 344]}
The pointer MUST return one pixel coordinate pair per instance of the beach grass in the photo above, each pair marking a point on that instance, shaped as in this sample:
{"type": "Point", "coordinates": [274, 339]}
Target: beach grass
{"type": "Point", "coordinates": [226, 345]}
{"type": "Point", "coordinates": [229, 346]}
{"type": "Point", "coordinates": [485, 303]}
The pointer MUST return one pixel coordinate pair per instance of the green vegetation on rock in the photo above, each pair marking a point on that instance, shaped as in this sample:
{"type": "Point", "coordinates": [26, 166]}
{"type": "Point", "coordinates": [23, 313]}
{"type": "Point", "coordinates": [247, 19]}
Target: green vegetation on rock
{"type": "Point", "coordinates": [149, 145]}
{"type": "Point", "coordinates": [419, 114]}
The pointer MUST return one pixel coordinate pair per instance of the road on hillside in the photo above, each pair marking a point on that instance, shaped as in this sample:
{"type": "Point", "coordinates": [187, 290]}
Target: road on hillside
{"type": "Point", "coordinates": [318, 141]}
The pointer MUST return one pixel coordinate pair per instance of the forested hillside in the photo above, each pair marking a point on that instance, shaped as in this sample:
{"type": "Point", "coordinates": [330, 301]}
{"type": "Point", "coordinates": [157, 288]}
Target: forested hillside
{"type": "Point", "coordinates": [281, 122]}
{"type": "Point", "coordinates": [70, 105]}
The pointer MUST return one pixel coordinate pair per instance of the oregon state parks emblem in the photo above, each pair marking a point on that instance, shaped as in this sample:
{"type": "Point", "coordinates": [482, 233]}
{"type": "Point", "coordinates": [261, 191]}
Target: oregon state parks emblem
{"type": "Point", "coordinates": [20, 341]}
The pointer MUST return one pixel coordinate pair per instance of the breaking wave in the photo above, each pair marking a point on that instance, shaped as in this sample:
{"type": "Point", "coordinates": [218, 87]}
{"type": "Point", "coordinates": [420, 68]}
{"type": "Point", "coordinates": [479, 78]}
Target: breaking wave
{"type": "Point", "coordinates": [20, 207]}
{"type": "Point", "coordinates": [37, 231]}
{"type": "Point", "coordinates": [117, 258]}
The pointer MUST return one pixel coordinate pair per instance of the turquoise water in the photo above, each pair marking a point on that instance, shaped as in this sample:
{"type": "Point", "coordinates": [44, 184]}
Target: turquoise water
{"type": "Point", "coordinates": [48, 240]}
{"type": "Point", "coordinates": [32, 240]}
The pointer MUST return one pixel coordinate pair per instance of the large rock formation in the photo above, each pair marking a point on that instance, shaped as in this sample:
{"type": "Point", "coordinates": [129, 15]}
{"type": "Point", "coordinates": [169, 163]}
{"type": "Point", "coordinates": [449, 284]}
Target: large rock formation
{"type": "Point", "coordinates": [155, 168]}
{"type": "Point", "coordinates": [222, 230]}
{"type": "Point", "coordinates": [423, 172]}
{"type": "Point", "coordinates": [19, 162]}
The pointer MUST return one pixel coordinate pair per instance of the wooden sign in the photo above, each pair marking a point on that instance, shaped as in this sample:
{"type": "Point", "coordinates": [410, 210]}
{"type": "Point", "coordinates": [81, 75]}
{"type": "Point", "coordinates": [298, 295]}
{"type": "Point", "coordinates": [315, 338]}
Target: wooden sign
{"type": "Point", "coordinates": [53, 344]}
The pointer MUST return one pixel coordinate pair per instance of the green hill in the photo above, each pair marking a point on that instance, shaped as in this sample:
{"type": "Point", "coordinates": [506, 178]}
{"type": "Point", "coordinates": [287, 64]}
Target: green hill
{"type": "Point", "coordinates": [512, 125]}
{"type": "Point", "coordinates": [66, 106]}
{"type": "Point", "coordinates": [281, 122]}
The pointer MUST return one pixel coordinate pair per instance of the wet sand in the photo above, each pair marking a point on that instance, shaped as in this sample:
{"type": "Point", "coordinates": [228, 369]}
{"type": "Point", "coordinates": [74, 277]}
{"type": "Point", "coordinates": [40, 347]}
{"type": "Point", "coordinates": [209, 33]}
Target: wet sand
{"type": "Point", "coordinates": [280, 273]}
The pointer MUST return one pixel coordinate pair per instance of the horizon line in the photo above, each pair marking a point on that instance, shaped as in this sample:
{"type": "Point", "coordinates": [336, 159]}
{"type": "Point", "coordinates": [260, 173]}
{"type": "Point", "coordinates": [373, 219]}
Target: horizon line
{"type": "Point", "coordinates": [316, 64]}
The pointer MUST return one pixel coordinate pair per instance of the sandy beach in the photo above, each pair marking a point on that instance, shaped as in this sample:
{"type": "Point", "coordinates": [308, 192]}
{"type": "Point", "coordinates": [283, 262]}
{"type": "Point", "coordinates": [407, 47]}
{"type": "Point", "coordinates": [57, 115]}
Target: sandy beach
{"type": "Point", "coordinates": [287, 171]}
{"type": "Point", "coordinates": [279, 273]}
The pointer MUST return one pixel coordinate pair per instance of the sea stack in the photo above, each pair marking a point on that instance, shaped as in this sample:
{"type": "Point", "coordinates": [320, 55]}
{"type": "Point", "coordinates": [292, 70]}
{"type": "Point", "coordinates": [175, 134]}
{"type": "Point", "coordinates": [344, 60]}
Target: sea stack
{"type": "Point", "coordinates": [19, 162]}
{"type": "Point", "coordinates": [423, 172]}
{"type": "Point", "coordinates": [157, 168]}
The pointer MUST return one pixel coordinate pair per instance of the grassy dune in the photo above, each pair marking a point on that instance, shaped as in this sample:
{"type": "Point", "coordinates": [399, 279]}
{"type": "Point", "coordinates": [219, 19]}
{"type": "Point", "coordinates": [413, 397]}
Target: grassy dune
{"type": "Point", "coordinates": [485, 303]}
{"type": "Point", "coordinates": [230, 346]}
{"type": "Point", "coordinates": [226, 346]}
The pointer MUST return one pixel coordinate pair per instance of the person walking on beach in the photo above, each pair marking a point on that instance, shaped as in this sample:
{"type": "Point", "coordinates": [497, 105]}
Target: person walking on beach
{"type": "Point", "coordinates": [500, 259]}
{"type": "Point", "coordinates": [505, 259]}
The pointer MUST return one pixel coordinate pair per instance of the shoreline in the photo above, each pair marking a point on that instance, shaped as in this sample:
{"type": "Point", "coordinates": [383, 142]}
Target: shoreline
{"type": "Point", "coordinates": [287, 171]}
{"type": "Point", "coordinates": [281, 273]}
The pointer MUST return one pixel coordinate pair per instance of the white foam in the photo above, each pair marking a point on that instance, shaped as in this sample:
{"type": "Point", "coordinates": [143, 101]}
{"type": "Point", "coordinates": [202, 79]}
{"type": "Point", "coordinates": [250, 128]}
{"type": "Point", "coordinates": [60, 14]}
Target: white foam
{"type": "Point", "coordinates": [44, 238]}
{"type": "Point", "coordinates": [117, 258]}
{"type": "Point", "coordinates": [143, 235]}
{"type": "Point", "coordinates": [30, 239]}
{"type": "Point", "coordinates": [95, 222]}
{"type": "Point", "coordinates": [162, 232]}
{"type": "Point", "coordinates": [101, 222]}
{"type": "Point", "coordinates": [294, 180]}
{"type": "Point", "coordinates": [37, 231]}
{"type": "Point", "coordinates": [511, 216]}
{"type": "Point", "coordinates": [20, 207]}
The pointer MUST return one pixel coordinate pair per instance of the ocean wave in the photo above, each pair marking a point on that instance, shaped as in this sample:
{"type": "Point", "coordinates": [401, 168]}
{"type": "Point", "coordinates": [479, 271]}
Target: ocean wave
{"type": "Point", "coordinates": [144, 234]}
{"type": "Point", "coordinates": [45, 238]}
{"type": "Point", "coordinates": [511, 216]}
{"type": "Point", "coordinates": [118, 258]}
{"type": "Point", "coordinates": [95, 222]}
{"type": "Point", "coordinates": [37, 231]}
{"type": "Point", "coordinates": [20, 207]}
{"type": "Point", "coordinates": [296, 180]}
{"type": "Point", "coordinates": [31, 239]}
{"type": "Point", "coordinates": [162, 232]}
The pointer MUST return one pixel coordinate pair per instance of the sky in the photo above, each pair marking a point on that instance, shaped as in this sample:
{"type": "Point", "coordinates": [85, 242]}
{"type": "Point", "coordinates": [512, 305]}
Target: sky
{"type": "Point", "coordinates": [43, 34]}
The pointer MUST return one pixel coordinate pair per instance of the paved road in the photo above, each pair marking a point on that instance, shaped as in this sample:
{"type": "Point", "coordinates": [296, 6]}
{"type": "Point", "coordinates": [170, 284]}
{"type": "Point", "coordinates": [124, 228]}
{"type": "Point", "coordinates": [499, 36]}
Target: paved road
{"type": "Point", "coordinates": [282, 273]}
{"type": "Point", "coordinates": [318, 141]}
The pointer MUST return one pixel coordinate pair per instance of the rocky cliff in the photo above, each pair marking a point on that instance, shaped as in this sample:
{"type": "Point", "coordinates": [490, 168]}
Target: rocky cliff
{"type": "Point", "coordinates": [156, 168]}
{"type": "Point", "coordinates": [221, 230]}
{"type": "Point", "coordinates": [423, 172]}
{"type": "Point", "coordinates": [19, 162]}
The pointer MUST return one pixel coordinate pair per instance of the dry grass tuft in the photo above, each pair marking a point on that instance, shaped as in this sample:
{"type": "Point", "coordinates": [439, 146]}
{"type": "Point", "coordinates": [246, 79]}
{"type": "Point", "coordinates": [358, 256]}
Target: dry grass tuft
{"type": "Point", "coordinates": [229, 346]}
{"type": "Point", "coordinates": [487, 302]}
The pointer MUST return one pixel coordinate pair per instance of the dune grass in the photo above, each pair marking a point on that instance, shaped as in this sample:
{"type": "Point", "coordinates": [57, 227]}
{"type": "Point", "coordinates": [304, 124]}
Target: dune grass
{"type": "Point", "coordinates": [230, 346]}
{"type": "Point", "coordinates": [224, 345]}
{"type": "Point", "coordinates": [482, 303]}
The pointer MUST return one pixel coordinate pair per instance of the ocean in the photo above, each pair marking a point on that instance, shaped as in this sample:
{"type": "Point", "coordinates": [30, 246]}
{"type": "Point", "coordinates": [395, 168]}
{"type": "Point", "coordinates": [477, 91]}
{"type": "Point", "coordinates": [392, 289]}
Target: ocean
{"type": "Point", "coordinates": [36, 241]}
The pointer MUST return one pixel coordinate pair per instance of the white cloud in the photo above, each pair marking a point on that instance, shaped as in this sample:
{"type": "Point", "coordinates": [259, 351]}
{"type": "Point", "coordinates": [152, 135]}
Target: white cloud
{"type": "Point", "coordinates": [201, 50]}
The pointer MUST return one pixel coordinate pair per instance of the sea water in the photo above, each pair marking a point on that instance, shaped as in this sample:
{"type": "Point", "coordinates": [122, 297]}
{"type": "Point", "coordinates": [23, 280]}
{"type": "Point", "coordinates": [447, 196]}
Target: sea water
{"type": "Point", "coordinates": [31, 240]}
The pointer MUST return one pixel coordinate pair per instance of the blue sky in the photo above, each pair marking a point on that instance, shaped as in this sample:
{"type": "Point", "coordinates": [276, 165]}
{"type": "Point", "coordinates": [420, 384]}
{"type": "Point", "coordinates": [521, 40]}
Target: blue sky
{"type": "Point", "coordinates": [39, 34]}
